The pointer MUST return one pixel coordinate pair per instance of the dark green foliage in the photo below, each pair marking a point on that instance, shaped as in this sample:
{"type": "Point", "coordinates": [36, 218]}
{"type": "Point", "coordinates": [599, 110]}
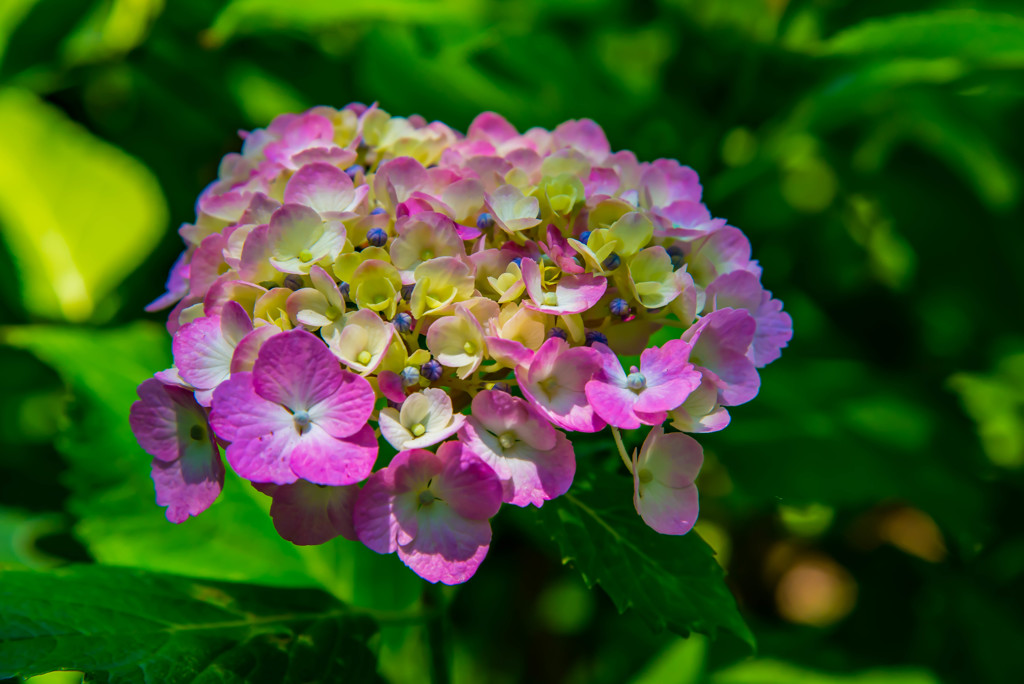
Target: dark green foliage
{"type": "Point", "coordinates": [671, 582]}
{"type": "Point", "coordinates": [135, 626]}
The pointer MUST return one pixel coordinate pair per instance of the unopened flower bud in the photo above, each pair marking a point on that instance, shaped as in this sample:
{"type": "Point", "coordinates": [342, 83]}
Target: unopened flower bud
{"type": "Point", "coordinates": [619, 307]}
{"type": "Point", "coordinates": [378, 237]}
{"type": "Point", "coordinates": [431, 370]}
{"type": "Point", "coordinates": [593, 336]}
{"type": "Point", "coordinates": [404, 322]}
{"type": "Point", "coordinates": [485, 221]}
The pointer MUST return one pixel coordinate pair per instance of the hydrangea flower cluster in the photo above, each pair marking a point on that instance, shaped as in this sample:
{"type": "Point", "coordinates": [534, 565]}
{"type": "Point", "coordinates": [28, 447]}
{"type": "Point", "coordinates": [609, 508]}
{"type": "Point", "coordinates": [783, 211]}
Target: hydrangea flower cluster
{"type": "Point", "coordinates": [469, 299]}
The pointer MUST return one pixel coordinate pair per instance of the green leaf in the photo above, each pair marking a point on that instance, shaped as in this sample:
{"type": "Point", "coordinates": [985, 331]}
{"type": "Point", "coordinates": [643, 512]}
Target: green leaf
{"type": "Point", "coordinates": [671, 582]}
{"type": "Point", "coordinates": [77, 214]}
{"type": "Point", "coordinates": [250, 16]}
{"type": "Point", "coordinates": [994, 39]}
{"type": "Point", "coordinates": [137, 626]}
{"type": "Point", "coordinates": [112, 493]}
{"type": "Point", "coordinates": [758, 671]}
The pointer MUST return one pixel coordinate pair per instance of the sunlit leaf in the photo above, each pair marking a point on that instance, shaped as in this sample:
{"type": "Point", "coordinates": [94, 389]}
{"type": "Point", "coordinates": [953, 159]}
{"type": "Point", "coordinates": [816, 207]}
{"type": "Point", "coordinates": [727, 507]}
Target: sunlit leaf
{"type": "Point", "coordinates": [77, 214]}
{"type": "Point", "coordinates": [135, 626]}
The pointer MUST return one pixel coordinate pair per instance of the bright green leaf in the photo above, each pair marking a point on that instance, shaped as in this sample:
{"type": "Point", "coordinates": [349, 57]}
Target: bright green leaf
{"type": "Point", "coordinates": [137, 626]}
{"type": "Point", "coordinates": [670, 581]}
{"type": "Point", "coordinates": [77, 214]}
{"type": "Point", "coordinates": [996, 39]}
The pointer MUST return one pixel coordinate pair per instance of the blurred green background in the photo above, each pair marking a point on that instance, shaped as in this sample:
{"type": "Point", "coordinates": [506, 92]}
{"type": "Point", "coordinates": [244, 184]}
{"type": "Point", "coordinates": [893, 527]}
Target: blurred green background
{"type": "Point", "coordinates": [867, 505]}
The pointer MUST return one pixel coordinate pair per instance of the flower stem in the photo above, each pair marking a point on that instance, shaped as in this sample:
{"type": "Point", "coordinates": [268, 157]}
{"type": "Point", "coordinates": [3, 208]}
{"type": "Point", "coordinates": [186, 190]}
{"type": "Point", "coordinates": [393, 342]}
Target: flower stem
{"type": "Point", "coordinates": [622, 448]}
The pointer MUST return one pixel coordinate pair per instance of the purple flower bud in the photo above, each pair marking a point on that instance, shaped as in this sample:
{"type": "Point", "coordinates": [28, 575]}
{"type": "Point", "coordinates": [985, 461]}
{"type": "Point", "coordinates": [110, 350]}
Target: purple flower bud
{"type": "Point", "coordinates": [407, 291]}
{"type": "Point", "coordinates": [593, 336]}
{"type": "Point", "coordinates": [431, 370]}
{"type": "Point", "coordinates": [619, 307]}
{"type": "Point", "coordinates": [485, 221]}
{"type": "Point", "coordinates": [518, 261]}
{"type": "Point", "coordinates": [378, 237]}
{"type": "Point", "coordinates": [404, 322]}
{"type": "Point", "coordinates": [343, 289]}
{"type": "Point", "coordinates": [378, 211]}
{"type": "Point", "coordinates": [410, 376]}
{"type": "Point", "coordinates": [501, 387]}
{"type": "Point", "coordinates": [557, 332]}
{"type": "Point", "coordinates": [292, 281]}
{"type": "Point", "coordinates": [353, 171]}
{"type": "Point", "coordinates": [612, 262]}
{"type": "Point", "coordinates": [584, 236]}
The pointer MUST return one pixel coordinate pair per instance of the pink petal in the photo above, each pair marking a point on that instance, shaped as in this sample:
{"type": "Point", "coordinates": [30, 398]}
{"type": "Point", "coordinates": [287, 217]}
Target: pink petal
{"type": "Point", "coordinates": [491, 127]}
{"type": "Point", "coordinates": [297, 370]}
{"type": "Point", "coordinates": [321, 187]}
{"type": "Point", "coordinates": [613, 404]}
{"type": "Point", "coordinates": [188, 485]}
{"type": "Point", "coordinates": [447, 548]}
{"type": "Point", "coordinates": [467, 484]}
{"type": "Point", "coordinates": [163, 418]}
{"type": "Point", "coordinates": [307, 514]}
{"type": "Point", "coordinates": [324, 460]}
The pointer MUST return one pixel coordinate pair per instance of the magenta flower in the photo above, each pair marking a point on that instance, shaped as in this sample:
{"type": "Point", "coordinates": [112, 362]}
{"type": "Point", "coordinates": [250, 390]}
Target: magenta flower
{"type": "Point", "coordinates": [172, 428]}
{"type": "Point", "coordinates": [742, 290]}
{"type": "Point", "coordinates": [721, 343]}
{"type": "Point", "coordinates": [663, 491]}
{"type": "Point", "coordinates": [296, 415]}
{"type": "Point", "coordinates": [203, 349]}
{"type": "Point", "coordinates": [534, 461]}
{"type": "Point", "coordinates": [555, 380]}
{"type": "Point", "coordinates": [433, 510]}
{"type": "Point", "coordinates": [306, 514]}
{"type": "Point", "coordinates": [572, 294]}
{"type": "Point", "coordinates": [663, 381]}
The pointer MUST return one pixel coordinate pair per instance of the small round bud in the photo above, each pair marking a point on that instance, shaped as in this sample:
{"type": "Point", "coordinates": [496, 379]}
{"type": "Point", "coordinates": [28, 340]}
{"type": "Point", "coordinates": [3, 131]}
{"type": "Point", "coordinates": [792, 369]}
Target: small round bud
{"type": "Point", "coordinates": [469, 348]}
{"type": "Point", "coordinates": [410, 376]}
{"type": "Point", "coordinates": [292, 281]}
{"type": "Point", "coordinates": [507, 440]}
{"type": "Point", "coordinates": [403, 322]}
{"type": "Point", "coordinates": [636, 381]}
{"type": "Point", "coordinates": [619, 307]}
{"type": "Point", "coordinates": [305, 256]}
{"type": "Point", "coordinates": [593, 336]}
{"type": "Point", "coordinates": [584, 236]}
{"type": "Point", "coordinates": [612, 262]}
{"type": "Point", "coordinates": [364, 357]}
{"type": "Point", "coordinates": [378, 237]}
{"type": "Point", "coordinates": [343, 290]}
{"type": "Point", "coordinates": [557, 332]}
{"type": "Point", "coordinates": [518, 261]}
{"type": "Point", "coordinates": [418, 430]}
{"type": "Point", "coordinates": [407, 291]}
{"type": "Point", "coordinates": [677, 256]}
{"type": "Point", "coordinates": [431, 370]}
{"type": "Point", "coordinates": [378, 211]}
{"type": "Point", "coordinates": [354, 171]}
{"type": "Point", "coordinates": [485, 221]}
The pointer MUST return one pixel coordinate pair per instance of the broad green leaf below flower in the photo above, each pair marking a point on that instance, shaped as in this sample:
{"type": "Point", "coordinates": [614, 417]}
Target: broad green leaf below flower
{"type": "Point", "coordinates": [134, 626]}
